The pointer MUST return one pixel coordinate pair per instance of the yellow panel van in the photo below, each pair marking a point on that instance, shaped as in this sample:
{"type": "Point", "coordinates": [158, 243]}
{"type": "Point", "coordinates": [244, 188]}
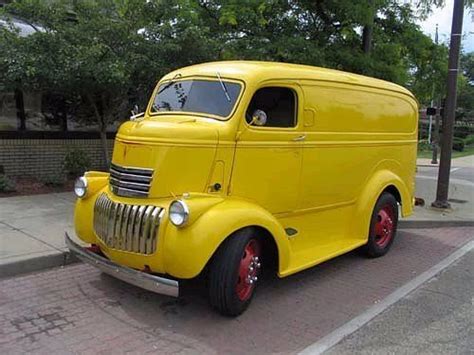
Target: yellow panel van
{"type": "Point", "coordinates": [236, 167]}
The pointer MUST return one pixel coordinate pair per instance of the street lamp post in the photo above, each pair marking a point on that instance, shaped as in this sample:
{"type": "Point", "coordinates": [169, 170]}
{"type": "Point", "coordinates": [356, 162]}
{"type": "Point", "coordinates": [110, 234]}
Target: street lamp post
{"type": "Point", "coordinates": [447, 143]}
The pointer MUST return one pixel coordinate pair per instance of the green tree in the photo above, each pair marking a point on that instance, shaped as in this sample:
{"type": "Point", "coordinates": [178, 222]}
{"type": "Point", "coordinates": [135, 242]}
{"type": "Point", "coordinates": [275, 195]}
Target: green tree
{"type": "Point", "coordinates": [465, 102]}
{"type": "Point", "coordinates": [91, 52]}
{"type": "Point", "coordinates": [106, 55]}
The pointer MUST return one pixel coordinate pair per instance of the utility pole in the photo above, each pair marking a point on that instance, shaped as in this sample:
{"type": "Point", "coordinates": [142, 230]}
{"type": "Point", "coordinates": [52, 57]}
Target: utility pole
{"type": "Point", "coordinates": [434, 140]}
{"type": "Point", "coordinates": [447, 143]}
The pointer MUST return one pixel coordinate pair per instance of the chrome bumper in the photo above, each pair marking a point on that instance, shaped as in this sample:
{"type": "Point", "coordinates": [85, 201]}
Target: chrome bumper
{"type": "Point", "coordinates": [138, 278]}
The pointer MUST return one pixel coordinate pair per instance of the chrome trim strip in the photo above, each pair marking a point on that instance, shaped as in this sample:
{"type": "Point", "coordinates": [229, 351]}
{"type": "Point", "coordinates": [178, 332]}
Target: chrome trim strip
{"type": "Point", "coordinates": [127, 227]}
{"type": "Point", "coordinates": [131, 223]}
{"type": "Point", "coordinates": [137, 278]}
{"type": "Point", "coordinates": [121, 191]}
{"type": "Point", "coordinates": [130, 181]}
{"type": "Point", "coordinates": [132, 170]}
{"type": "Point", "coordinates": [126, 184]}
{"type": "Point", "coordinates": [130, 177]}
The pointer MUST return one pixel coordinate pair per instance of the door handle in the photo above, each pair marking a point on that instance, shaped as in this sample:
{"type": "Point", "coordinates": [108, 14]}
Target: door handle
{"type": "Point", "coordinates": [299, 138]}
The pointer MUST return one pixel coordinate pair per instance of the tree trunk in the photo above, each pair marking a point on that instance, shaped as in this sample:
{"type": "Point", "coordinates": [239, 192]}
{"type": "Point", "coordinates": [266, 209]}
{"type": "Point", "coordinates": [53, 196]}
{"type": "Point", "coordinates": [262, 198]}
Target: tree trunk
{"type": "Point", "coordinates": [368, 30]}
{"type": "Point", "coordinates": [105, 151]}
{"type": "Point", "coordinates": [20, 109]}
{"type": "Point", "coordinates": [367, 34]}
{"type": "Point", "coordinates": [103, 131]}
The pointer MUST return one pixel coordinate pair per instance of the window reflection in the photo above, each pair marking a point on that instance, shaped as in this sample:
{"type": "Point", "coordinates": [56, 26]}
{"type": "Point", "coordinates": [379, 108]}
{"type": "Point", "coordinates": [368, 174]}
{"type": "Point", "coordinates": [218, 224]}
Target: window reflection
{"type": "Point", "coordinates": [200, 96]}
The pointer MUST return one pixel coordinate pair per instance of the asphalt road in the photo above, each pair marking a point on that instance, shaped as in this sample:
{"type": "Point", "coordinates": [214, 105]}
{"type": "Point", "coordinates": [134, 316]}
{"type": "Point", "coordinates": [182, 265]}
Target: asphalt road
{"type": "Point", "coordinates": [437, 318]}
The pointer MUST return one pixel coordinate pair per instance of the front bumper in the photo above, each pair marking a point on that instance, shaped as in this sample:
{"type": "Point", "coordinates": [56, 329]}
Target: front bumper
{"type": "Point", "coordinates": [137, 278]}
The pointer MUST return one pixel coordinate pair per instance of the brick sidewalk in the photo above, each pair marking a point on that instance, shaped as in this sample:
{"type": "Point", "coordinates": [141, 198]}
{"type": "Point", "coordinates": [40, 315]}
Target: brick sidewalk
{"type": "Point", "coordinates": [78, 309]}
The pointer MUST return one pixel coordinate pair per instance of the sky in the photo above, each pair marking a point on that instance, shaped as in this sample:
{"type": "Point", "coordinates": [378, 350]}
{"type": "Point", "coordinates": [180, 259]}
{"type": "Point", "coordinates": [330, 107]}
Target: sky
{"type": "Point", "coordinates": [443, 17]}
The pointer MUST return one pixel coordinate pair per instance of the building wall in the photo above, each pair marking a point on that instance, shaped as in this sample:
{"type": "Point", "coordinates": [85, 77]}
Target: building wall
{"type": "Point", "coordinates": [41, 158]}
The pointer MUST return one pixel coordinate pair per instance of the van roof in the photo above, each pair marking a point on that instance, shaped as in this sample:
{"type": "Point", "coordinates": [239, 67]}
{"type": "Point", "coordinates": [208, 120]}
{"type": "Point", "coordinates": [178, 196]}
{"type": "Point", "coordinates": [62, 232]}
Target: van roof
{"type": "Point", "coordinates": [261, 71]}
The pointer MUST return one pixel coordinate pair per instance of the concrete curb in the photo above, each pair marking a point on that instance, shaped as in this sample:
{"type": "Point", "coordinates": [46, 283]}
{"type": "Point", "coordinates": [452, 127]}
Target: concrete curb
{"type": "Point", "coordinates": [36, 264]}
{"type": "Point", "coordinates": [418, 224]}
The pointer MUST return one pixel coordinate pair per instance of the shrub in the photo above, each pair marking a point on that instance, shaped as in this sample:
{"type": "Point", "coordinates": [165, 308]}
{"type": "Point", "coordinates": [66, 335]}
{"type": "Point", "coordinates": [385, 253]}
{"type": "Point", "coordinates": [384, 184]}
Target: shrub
{"type": "Point", "coordinates": [6, 184]}
{"type": "Point", "coordinates": [461, 131]}
{"type": "Point", "coordinates": [469, 140]}
{"type": "Point", "coordinates": [76, 162]}
{"type": "Point", "coordinates": [458, 144]}
{"type": "Point", "coordinates": [423, 145]}
{"type": "Point", "coordinates": [57, 180]}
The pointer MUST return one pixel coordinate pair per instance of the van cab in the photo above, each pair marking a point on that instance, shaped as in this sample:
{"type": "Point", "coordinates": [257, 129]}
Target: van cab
{"type": "Point", "coordinates": [237, 167]}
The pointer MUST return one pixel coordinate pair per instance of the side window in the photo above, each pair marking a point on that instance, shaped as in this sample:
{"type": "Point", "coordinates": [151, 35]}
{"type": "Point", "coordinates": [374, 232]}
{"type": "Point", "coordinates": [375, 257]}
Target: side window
{"type": "Point", "coordinates": [278, 103]}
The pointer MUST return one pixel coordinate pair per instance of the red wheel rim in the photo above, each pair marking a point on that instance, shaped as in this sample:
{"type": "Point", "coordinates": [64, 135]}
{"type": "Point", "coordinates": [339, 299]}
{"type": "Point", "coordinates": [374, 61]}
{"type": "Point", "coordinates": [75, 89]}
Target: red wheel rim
{"type": "Point", "coordinates": [249, 268]}
{"type": "Point", "coordinates": [384, 227]}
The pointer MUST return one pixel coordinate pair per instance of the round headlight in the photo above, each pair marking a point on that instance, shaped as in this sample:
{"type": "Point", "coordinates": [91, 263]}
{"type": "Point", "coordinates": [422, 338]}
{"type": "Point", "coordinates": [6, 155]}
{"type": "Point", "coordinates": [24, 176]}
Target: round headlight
{"type": "Point", "coordinates": [179, 213]}
{"type": "Point", "coordinates": [80, 187]}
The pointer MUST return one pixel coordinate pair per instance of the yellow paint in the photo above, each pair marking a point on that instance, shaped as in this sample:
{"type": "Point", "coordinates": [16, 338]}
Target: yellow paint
{"type": "Point", "coordinates": [360, 137]}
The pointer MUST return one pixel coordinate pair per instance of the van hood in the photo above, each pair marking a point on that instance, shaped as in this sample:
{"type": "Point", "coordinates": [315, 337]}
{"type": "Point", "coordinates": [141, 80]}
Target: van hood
{"type": "Point", "coordinates": [172, 129]}
{"type": "Point", "coordinates": [181, 153]}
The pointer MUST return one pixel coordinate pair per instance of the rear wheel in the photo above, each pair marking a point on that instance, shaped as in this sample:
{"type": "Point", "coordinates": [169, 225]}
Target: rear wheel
{"type": "Point", "coordinates": [233, 273]}
{"type": "Point", "coordinates": [383, 226]}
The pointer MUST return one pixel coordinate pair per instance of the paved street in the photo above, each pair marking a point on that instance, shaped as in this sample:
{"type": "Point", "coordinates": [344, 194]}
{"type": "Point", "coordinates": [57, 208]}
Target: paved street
{"type": "Point", "coordinates": [463, 173]}
{"type": "Point", "coordinates": [438, 318]}
{"type": "Point", "coordinates": [76, 309]}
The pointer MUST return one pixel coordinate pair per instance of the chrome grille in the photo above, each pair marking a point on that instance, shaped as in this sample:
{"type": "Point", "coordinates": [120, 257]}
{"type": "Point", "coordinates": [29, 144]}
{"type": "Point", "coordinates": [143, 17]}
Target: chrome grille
{"type": "Point", "coordinates": [127, 227]}
{"type": "Point", "coordinates": [130, 182]}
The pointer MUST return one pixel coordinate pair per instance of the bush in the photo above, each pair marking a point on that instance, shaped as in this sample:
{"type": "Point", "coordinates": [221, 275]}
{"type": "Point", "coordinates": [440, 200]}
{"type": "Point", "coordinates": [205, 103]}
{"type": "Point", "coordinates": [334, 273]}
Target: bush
{"type": "Point", "coordinates": [57, 180]}
{"type": "Point", "coordinates": [469, 140]}
{"type": "Point", "coordinates": [76, 163]}
{"type": "Point", "coordinates": [423, 145]}
{"type": "Point", "coordinates": [6, 184]}
{"type": "Point", "coordinates": [458, 144]}
{"type": "Point", "coordinates": [461, 131]}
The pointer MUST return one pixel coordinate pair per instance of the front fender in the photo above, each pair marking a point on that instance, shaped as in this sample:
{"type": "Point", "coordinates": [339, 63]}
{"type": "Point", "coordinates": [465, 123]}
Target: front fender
{"type": "Point", "coordinates": [187, 250]}
{"type": "Point", "coordinates": [84, 209]}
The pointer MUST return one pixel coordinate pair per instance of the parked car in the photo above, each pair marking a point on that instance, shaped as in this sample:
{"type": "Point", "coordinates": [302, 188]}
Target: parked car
{"type": "Point", "coordinates": [239, 166]}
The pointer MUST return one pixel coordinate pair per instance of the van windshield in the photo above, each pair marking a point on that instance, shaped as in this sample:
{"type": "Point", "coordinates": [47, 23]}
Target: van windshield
{"type": "Point", "coordinates": [199, 96]}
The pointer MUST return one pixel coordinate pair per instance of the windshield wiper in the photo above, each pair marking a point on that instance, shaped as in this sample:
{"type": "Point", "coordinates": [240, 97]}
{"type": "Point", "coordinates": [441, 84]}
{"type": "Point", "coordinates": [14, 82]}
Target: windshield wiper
{"type": "Point", "coordinates": [172, 81]}
{"type": "Point", "coordinates": [223, 87]}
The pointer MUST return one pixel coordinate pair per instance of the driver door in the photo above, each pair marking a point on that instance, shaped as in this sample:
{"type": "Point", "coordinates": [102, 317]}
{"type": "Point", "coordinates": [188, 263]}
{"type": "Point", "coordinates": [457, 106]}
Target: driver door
{"type": "Point", "coordinates": [268, 157]}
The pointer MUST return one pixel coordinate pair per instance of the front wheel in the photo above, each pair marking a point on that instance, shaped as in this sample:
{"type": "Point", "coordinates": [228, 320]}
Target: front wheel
{"type": "Point", "coordinates": [233, 273]}
{"type": "Point", "coordinates": [383, 226]}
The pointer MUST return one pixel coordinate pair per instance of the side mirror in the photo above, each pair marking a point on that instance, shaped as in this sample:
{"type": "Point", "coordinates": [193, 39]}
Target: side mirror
{"type": "Point", "coordinates": [136, 114]}
{"type": "Point", "coordinates": [259, 118]}
{"type": "Point", "coordinates": [135, 110]}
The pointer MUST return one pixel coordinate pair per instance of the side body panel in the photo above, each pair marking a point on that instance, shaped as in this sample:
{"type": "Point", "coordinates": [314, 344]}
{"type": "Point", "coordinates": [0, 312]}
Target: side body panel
{"type": "Point", "coordinates": [359, 141]}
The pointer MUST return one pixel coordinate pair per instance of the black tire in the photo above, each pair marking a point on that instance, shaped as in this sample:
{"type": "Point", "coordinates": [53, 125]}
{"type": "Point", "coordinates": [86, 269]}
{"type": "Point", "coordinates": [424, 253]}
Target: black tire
{"type": "Point", "coordinates": [379, 241]}
{"type": "Point", "coordinates": [224, 274]}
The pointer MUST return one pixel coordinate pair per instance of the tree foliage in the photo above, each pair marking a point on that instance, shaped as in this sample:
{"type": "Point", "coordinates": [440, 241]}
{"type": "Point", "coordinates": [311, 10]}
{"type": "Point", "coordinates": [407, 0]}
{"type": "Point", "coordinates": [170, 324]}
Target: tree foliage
{"type": "Point", "coordinates": [466, 88]}
{"type": "Point", "coordinates": [104, 56]}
